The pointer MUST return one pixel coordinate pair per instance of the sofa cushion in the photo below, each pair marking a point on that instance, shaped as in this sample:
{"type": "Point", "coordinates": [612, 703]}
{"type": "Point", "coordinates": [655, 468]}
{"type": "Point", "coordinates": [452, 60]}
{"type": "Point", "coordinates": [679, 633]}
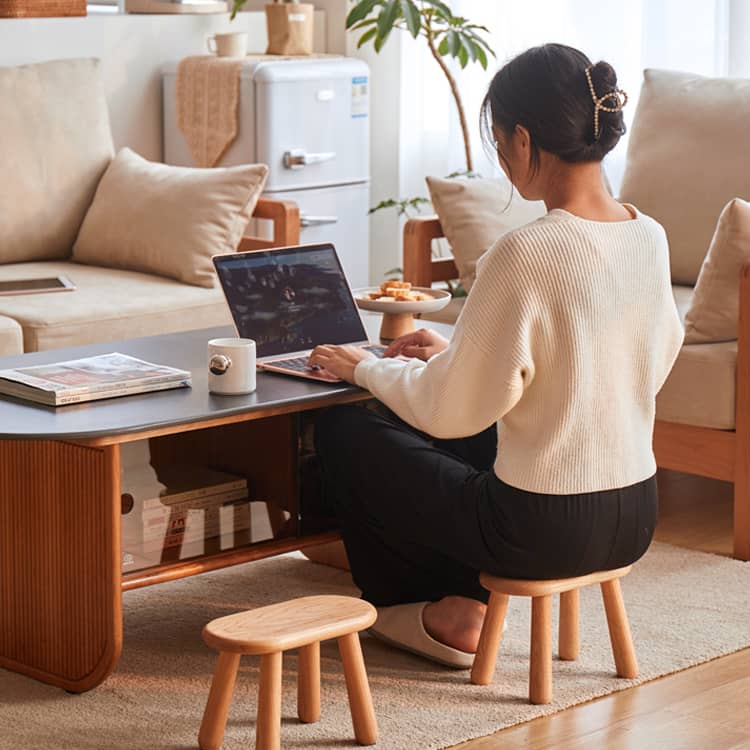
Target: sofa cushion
{"type": "Point", "coordinates": [55, 144]}
{"type": "Point", "coordinates": [700, 390]}
{"type": "Point", "coordinates": [11, 337]}
{"type": "Point", "coordinates": [715, 310]}
{"type": "Point", "coordinates": [107, 305]}
{"type": "Point", "coordinates": [683, 298]}
{"type": "Point", "coordinates": [684, 159]}
{"type": "Point", "coordinates": [474, 213]}
{"type": "Point", "coordinates": [168, 220]}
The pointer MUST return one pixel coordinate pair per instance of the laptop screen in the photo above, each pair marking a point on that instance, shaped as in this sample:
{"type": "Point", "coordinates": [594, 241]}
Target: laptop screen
{"type": "Point", "coordinates": [290, 299]}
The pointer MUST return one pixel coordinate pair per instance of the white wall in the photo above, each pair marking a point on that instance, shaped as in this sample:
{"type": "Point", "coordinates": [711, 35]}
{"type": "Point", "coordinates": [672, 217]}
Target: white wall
{"type": "Point", "coordinates": [132, 49]}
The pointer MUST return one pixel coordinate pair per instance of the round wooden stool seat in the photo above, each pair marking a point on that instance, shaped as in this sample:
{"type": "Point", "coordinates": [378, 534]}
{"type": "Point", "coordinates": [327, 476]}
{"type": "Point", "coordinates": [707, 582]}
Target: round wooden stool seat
{"type": "Point", "coordinates": [541, 592]}
{"type": "Point", "coordinates": [269, 631]}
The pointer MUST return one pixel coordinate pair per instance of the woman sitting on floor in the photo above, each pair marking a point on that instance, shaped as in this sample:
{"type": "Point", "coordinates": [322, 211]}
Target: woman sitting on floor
{"type": "Point", "coordinates": [567, 336]}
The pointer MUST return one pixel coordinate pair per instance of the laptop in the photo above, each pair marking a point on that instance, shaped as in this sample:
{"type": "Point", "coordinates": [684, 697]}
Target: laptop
{"type": "Point", "coordinates": [289, 300]}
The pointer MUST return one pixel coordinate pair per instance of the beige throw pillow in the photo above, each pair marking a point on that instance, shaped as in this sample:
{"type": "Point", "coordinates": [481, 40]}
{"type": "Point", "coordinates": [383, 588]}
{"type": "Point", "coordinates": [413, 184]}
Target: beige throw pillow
{"type": "Point", "coordinates": [714, 310]}
{"type": "Point", "coordinates": [474, 213]}
{"type": "Point", "coordinates": [55, 144]}
{"type": "Point", "coordinates": [687, 158]}
{"type": "Point", "coordinates": [167, 220]}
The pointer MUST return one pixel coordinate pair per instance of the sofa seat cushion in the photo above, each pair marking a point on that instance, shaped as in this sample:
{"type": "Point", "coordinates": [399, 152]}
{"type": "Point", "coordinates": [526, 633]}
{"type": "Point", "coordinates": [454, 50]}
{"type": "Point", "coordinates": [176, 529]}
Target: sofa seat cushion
{"type": "Point", "coordinates": [107, 305]}
{"type": "Point", "coordinates": [55, 144]}
{"type": "Point", "coordinates": [700, 390]}
{"type": "Point", "coordinates": [11, 337]}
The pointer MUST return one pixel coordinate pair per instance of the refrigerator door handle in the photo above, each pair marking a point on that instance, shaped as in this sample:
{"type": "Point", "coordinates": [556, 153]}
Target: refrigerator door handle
{"type": "Point", "coordinates": [298, 158]}
{"type": "Point", "coordinates": [317, 221]}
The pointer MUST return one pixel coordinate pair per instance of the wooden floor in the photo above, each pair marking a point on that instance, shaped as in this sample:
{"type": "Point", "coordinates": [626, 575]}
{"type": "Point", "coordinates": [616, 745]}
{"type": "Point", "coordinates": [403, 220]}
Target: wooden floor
{"type": "Point", "coordinates": [703, 708]}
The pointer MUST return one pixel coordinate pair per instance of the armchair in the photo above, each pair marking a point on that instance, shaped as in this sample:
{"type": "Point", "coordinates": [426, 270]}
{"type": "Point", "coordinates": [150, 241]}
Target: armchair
{"type": "Point", "coordinates": [703, 411]}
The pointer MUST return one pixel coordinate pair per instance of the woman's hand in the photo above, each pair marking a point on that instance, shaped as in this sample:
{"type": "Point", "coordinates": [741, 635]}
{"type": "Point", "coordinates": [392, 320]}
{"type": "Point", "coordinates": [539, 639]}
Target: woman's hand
{"type": "Point", "coordinates": [421, 344]}
{"type": "Point", "coordinates": [338, 360]}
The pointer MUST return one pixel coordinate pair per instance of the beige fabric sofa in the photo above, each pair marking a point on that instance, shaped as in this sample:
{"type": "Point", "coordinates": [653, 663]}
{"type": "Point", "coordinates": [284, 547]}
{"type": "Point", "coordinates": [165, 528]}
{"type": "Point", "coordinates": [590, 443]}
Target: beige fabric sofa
{"type": "Point", "coordinates": [687, 158]}
{"type": "Point", "coordinates": [55, 144]}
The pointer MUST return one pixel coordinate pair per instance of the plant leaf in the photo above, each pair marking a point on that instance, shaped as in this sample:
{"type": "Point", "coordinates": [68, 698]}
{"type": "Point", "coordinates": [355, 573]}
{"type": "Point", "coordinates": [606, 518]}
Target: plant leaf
{"type": "Point", "coordinates": [443, 47]}
{"type": "Point", "coordinates": [360, 11]}
{"type": "Point", "coordinates": [364, 24]}
{"type": "Point", "coordinates": [366, 37]}
{"type": "Point", "coordinates": [387, 18]}
{"type": "Point", "coordinates": [481, 55]}
{"type": "Point", "coordinates": [463, 56]}
{"type": "Point", "coordinates": [413, 18]}
{"type": "Point", "coordinates": [453, 44]}
{"type": "Point", "coordinates": [441, 7]}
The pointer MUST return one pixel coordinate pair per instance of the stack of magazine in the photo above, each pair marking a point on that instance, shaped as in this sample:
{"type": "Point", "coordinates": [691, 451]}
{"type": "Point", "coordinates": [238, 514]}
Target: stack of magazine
{"type": "Point", "coordinates": [183, 507]}
{"type": "Point", "coordinates": [101, 376]}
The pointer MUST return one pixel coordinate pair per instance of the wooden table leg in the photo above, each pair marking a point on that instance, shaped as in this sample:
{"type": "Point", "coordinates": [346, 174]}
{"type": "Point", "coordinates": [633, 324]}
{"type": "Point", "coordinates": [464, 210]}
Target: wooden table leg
{"type": "Point", "coordinates": [60, 562]}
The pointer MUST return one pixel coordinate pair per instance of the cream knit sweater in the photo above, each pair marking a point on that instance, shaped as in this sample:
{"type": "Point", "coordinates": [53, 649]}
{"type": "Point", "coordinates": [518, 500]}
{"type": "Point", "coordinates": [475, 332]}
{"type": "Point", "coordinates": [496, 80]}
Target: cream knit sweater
{"type": "Point", "coordinates": [568, 334]}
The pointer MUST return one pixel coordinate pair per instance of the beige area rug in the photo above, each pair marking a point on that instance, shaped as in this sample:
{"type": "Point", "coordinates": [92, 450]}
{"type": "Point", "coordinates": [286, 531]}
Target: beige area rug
{"type": "Point", "coordinates": [685, 607]}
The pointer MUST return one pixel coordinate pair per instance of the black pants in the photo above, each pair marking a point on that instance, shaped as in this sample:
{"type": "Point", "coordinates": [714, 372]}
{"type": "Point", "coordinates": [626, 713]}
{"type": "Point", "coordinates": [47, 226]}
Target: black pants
{"type": "Point", "coordinates": [420, 517]}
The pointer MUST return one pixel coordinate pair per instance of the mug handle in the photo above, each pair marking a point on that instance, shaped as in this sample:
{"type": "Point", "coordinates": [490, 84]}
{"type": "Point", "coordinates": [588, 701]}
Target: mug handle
{"type": "Point", "coordinates": [210, 39]}
{"type": "Point", "coordinates": [219, 364]}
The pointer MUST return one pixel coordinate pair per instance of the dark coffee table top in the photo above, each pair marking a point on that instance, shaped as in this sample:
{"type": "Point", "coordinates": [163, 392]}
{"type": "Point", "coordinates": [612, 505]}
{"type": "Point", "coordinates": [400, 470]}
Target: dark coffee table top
{"type": "Point", "coordinates": [161, 409]}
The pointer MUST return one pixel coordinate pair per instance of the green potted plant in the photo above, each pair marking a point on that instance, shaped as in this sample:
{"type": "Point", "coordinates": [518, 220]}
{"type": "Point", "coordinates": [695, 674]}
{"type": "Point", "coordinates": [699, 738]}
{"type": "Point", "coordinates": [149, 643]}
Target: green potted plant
{"type": "Point", "coordinates": [446, 36]}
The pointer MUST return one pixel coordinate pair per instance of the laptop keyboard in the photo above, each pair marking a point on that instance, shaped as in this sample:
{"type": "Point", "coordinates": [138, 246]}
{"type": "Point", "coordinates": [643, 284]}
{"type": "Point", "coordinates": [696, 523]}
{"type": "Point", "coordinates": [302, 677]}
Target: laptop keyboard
{"type": "Point", "coordinates": [299, 364]}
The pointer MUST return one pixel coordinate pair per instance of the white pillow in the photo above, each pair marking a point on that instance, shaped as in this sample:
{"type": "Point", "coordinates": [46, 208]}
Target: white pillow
{"type": "Point", "coordinates": [474, 213]}
{"type": "Point", "coordinates": [714, 309]}
{"type": "Point", "coordinates": [167, 220]}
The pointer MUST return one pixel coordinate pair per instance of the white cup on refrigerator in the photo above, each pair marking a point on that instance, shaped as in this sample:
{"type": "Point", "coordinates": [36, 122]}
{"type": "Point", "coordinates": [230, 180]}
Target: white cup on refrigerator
{"type": "Point", "coordinates": [229, 44]}
{"type": "Point", "coordinates": [231, 366]}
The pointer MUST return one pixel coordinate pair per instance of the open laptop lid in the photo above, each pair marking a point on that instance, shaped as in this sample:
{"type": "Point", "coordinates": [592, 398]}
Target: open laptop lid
{"type": "Point", "coordinates": [290, 299]}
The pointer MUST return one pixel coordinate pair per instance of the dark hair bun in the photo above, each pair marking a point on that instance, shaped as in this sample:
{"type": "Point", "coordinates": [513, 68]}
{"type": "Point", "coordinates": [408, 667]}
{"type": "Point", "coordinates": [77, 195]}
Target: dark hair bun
{"type": "Point", "coordinates": [611, 124]}
{"type": "Point", "coordinates": [546, 89]}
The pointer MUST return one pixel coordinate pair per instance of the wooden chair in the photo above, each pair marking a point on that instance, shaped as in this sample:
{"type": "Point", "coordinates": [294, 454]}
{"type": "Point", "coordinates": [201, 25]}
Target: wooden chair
{"type": "Point", "coordinates": [540, 669]}
{"type": "Point", "coordinates": [707, 452]}
{"type": "Point", "coordinates": [286, 224]}
{"type": "Point", "coordinates": [269, 631]}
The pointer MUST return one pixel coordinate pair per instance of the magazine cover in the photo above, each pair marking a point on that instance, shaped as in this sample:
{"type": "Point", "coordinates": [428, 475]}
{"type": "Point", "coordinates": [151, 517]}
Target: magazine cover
{"type": "Point", "coordinates": [105, 371]}
{"type": "Point", "coordinates": [101, 376]}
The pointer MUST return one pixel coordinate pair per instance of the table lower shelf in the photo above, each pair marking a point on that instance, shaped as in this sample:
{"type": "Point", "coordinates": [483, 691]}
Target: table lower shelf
{"type": "Point", "coordinates": [225, 559]}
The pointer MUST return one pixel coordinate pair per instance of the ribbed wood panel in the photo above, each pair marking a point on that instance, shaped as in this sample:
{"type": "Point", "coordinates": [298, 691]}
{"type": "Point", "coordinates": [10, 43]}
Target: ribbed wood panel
{"type": "Point", "coordinates": [60, 596]}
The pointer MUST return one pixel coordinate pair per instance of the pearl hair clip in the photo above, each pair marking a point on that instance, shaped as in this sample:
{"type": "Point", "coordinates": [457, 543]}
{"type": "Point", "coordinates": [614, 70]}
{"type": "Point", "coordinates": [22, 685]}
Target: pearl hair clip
{"type": "Point", "coordinates": [612, 96]}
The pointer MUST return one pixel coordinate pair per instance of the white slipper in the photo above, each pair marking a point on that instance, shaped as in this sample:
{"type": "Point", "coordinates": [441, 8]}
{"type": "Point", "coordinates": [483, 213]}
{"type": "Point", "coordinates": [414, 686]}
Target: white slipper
{"type": "Point", "coordinates": [402, 626]}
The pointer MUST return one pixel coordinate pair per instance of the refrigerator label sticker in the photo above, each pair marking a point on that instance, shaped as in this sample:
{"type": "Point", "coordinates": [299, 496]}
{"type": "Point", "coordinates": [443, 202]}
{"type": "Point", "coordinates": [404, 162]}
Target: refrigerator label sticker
{"type": "Point", "coordinates": [360, 98]}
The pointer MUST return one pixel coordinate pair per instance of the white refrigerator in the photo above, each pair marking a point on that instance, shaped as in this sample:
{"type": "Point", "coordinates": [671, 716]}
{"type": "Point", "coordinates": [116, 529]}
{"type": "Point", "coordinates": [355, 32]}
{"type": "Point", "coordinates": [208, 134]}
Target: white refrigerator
{"type": "Point", "coordinates": [308, 120]}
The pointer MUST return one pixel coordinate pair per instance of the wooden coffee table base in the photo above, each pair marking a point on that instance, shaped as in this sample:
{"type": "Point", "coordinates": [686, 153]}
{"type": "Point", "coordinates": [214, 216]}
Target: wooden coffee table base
{"type": "Point", "coordinates": [60, 559]}
{"type": "Point", "coordinates": [60, 595]}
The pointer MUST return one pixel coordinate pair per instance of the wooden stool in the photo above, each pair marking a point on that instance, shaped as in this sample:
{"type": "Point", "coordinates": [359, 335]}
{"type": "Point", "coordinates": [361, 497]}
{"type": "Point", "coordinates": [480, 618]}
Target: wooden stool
{"type": "Point", "coordinates": [540, 671]}
{"type": "Point", "coordinates": [269, 631]}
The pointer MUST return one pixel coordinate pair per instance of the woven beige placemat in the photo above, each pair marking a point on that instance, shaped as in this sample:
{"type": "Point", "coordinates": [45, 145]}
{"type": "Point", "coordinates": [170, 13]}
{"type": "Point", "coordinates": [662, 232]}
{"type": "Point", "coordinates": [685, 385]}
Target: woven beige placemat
{"type": "Point", "coordinates": [207, 98]}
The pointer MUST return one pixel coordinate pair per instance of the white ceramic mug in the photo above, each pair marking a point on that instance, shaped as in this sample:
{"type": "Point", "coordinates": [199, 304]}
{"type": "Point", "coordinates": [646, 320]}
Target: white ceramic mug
{"type": "Point", "coordinates": [231, 366]}
{"type": "Point", "coordinates": [230, 44]}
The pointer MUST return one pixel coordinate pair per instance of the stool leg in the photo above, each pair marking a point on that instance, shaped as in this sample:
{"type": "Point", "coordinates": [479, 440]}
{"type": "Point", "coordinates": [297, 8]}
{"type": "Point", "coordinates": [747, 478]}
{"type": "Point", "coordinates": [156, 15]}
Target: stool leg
{"type": "Point", "coordinates": [569, 639]}
{"type": "Point", "coordinates": [268, 725]}
{"type": "Point", "coordinates": [540, 673]}
{"type": "Point", "coordinates": [619, 630]}
{"type": "Point", "coordinates": [308, 683]}
{"type": "Point", "coordinates": [360, 700]}
{"type": "Point", "coordinates": [219, 698]}
{"type": "Point", "coordinates": [489, 640]}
